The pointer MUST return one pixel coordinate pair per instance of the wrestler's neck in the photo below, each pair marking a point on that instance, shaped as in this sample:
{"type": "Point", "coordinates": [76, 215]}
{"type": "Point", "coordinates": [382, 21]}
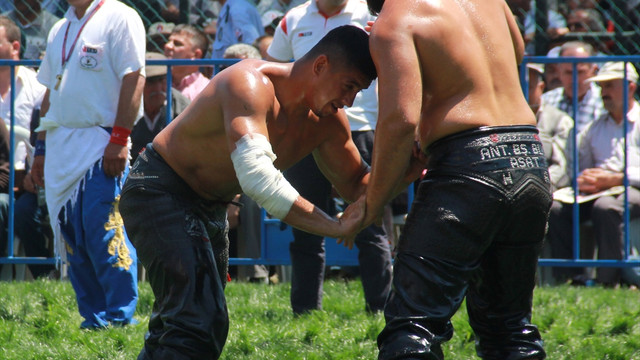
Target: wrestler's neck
{"type": "Point", "coordinates": [290, 84]}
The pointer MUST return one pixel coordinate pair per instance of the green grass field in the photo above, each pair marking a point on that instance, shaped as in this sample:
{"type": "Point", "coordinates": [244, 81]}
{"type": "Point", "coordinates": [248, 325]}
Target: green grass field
{"type": "Point", "coordinates": [39, 320]}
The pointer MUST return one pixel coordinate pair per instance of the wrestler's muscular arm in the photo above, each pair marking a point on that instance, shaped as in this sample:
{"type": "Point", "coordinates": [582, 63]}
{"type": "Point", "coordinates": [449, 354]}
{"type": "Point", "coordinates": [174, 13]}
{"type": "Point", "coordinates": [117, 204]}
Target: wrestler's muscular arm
{"type": "Point", "coordinates": [400, 102]}
{"type": "Point", "coordinates": [339, 160]}
{"type": "Point", "coordinates": [247, 101]}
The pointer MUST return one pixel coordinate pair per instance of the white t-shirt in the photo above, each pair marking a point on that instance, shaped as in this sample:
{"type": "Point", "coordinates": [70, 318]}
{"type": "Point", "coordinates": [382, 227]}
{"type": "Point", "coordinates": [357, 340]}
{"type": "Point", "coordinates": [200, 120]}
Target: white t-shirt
{"type": "Point", "coordinates": [90, 87]}
{"type": "Point", "coordinates": [303, 27]}
{"type": "Point", "coordinates": [28, 96]}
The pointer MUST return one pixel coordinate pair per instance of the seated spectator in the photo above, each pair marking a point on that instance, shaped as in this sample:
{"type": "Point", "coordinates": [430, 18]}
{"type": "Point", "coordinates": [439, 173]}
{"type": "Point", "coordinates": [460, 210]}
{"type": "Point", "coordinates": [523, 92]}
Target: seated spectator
{"type": "Point", "coordinates": [585, 20]}
{"type": "Point", "coordinates": [589, 20]}
{"type": "Point", "coordinates": [187, 42]}
{"type": "Point", "coordinates": [590, 105]}
{"type": "Point", "coordinates": [31, 216]}
{"type": "Point", "coordinates": [239, 22]}
{"type": "Point", "coordinates": [4, 187]}
{"type": "Point", "coordinates": [158, 35]}
{"type": "Point", "coordinates": [552, 71]}
{"type": "Point", "coordinates": [270, 21]}
{"type": "Point", "coordinates": [597, 143]}
{"type": "Point", "coordinates": [155, 106]}
{"type": "Point", "coordinates": [201, 12]}
{"type": "Point", "coordinates": [262, 44]}
{"type": "Point", "coordinates": [28, 93]}
{"type": "Point", "coordinates": [554, 125]}
{"type": "Point", "coordinates": [241, 51]}
{"type": "Point", "coordinates": [556, 27]}
{"type": "Point", "coordinates": [35, 23]}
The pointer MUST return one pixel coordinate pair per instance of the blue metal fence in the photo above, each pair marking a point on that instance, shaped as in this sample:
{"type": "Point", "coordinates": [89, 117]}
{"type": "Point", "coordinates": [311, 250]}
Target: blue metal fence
{"type": "Point", "coordinates": [275, 235]}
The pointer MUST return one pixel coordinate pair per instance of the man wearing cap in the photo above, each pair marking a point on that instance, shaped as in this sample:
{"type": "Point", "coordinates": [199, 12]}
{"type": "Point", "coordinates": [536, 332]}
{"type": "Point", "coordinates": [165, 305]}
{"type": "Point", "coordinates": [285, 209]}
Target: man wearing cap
{"type": "Point", "coordinates": [155, 106]}
{"type": "Point", "coordinates": [187, 42]}
{"type": "Point", "coordinates": [158, 35]}
{"type": "Point", "coordinates": [597, 143]}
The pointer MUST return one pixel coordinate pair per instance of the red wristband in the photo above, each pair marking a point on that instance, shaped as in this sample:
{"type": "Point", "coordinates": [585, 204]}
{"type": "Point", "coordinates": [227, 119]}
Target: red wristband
{"type": "Point", "coordinates": [119, 135]}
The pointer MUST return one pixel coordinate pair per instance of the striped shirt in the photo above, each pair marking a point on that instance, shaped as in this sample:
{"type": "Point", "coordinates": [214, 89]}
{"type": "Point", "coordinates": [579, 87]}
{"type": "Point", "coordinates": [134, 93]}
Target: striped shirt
{"type": "Point", "coordinates": [590, 107]}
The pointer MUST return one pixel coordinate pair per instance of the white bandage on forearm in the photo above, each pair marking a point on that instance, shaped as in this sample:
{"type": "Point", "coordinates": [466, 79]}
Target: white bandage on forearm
{"type": "Point", "coordinates": [259, 179]}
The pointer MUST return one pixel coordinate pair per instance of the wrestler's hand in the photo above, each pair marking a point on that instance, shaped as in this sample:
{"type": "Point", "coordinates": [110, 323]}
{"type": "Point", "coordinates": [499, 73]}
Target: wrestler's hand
{"type": "Point", "coordinates": [115, 159]}
{"type": "Point", "coordinates": [417, 163]}
{"type": "Point", "coordinates": [351, 221]}
{"type": "Point", "coordinates": [369, 26]}
{"type": "Point", "coordinates": [37, 170]}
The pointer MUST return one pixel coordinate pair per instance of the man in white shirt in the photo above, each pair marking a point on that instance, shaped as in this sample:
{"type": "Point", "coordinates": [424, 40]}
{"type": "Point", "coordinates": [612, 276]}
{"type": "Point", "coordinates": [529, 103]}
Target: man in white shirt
{"type": "Point", "coordinates": [94, 73]}
{"type": "Point", "coordinates": [28, 93]}
{"type": "Point", "coordinates": [300, 29]}
{"type": "Point", "coordinates": [597, 143]}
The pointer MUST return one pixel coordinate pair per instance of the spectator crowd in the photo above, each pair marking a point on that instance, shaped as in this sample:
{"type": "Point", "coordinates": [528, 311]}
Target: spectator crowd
{"type": "Point", "coordinates": [245, 29]}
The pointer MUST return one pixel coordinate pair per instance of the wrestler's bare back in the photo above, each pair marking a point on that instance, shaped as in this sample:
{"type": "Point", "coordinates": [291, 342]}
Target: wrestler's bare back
{"type": "Point", "coordinates": [466, 50]}
{"type": "Point", "coordinates": [197, 144]}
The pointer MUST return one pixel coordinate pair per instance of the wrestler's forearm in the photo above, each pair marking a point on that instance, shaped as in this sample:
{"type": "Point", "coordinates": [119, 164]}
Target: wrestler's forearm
{"type": "Point", "coordinates": [391, 159]}
{"type": "Point", "coordinates": [309, 218]}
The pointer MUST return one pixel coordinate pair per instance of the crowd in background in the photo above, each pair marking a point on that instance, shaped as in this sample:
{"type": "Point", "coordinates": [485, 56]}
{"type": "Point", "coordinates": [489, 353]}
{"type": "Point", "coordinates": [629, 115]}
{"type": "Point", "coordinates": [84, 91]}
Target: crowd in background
{"type": "Point", "coordinates": [201, 29]}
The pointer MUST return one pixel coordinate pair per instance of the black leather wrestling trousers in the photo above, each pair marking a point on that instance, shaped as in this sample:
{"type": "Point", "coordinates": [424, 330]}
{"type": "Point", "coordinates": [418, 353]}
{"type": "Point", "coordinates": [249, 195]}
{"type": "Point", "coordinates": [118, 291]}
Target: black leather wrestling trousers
{"type": "Point", "coordinates": [475, 229]}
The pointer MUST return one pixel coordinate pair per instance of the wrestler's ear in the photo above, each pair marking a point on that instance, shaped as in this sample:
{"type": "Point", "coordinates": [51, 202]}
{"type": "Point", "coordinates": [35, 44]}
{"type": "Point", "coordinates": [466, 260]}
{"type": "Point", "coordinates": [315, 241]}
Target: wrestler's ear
{"type": "Point", "coordinates": [320, 64]}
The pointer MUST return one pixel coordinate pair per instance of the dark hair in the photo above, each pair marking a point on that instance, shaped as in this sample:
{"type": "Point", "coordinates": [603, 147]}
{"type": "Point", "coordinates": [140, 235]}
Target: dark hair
{"type": "Point", "coordinates": [198, 38]}
{"type": "Point", "coordinates": [375, 6]}
{"type": "Point", "coordinates": [347, 45]}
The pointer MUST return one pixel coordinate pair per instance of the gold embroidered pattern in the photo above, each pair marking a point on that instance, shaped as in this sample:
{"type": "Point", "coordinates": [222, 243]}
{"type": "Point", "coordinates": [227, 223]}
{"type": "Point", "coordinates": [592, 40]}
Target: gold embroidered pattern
{"type": "Point", "coordinates": [118, 245]}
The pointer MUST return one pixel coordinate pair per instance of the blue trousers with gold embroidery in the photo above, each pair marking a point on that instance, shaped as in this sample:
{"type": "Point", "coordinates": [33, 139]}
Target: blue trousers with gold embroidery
{"type": "Point", "coordinates": [102, 262]}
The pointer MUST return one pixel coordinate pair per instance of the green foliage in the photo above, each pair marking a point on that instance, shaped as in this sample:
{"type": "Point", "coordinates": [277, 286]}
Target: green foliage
{"type": "Point", "coordinates": [39, 320]}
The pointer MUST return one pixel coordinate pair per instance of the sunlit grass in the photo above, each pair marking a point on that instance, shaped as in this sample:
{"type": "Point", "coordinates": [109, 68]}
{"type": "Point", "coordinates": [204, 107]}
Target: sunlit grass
{"type": "Point", "coordinates": [39, 320]}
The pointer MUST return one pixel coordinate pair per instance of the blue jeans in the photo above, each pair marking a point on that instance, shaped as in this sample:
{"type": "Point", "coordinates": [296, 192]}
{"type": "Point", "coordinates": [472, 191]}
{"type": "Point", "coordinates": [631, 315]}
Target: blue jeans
{"type": "Point", "coordinates": [475, 229]}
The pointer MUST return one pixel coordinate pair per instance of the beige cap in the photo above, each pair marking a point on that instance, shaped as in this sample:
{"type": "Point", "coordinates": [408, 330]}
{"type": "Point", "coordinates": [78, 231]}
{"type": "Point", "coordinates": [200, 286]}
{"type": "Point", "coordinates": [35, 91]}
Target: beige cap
{"type": "Point", "coordinates": [155, 70]}
{"type": "Point", "coordinates": [615, 70]}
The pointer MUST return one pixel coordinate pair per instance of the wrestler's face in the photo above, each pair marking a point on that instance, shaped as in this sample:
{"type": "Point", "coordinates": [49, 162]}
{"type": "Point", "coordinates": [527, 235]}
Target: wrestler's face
{"type": "Point", "coordinates": [337, 88]}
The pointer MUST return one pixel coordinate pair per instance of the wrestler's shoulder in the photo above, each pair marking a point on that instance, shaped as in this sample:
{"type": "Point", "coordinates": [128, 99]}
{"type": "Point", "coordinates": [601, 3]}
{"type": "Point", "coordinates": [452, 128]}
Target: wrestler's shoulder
{"type": "Point", "coordinates": [246, 74]}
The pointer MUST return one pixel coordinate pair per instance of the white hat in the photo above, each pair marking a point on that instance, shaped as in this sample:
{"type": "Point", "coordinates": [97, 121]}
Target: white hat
{"type": "Point", "coordinates": [536, 67]}
{"type": "Point", "coordinates": [615, 70]}
{"type": "Point", "coordinates": [269, 16]}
